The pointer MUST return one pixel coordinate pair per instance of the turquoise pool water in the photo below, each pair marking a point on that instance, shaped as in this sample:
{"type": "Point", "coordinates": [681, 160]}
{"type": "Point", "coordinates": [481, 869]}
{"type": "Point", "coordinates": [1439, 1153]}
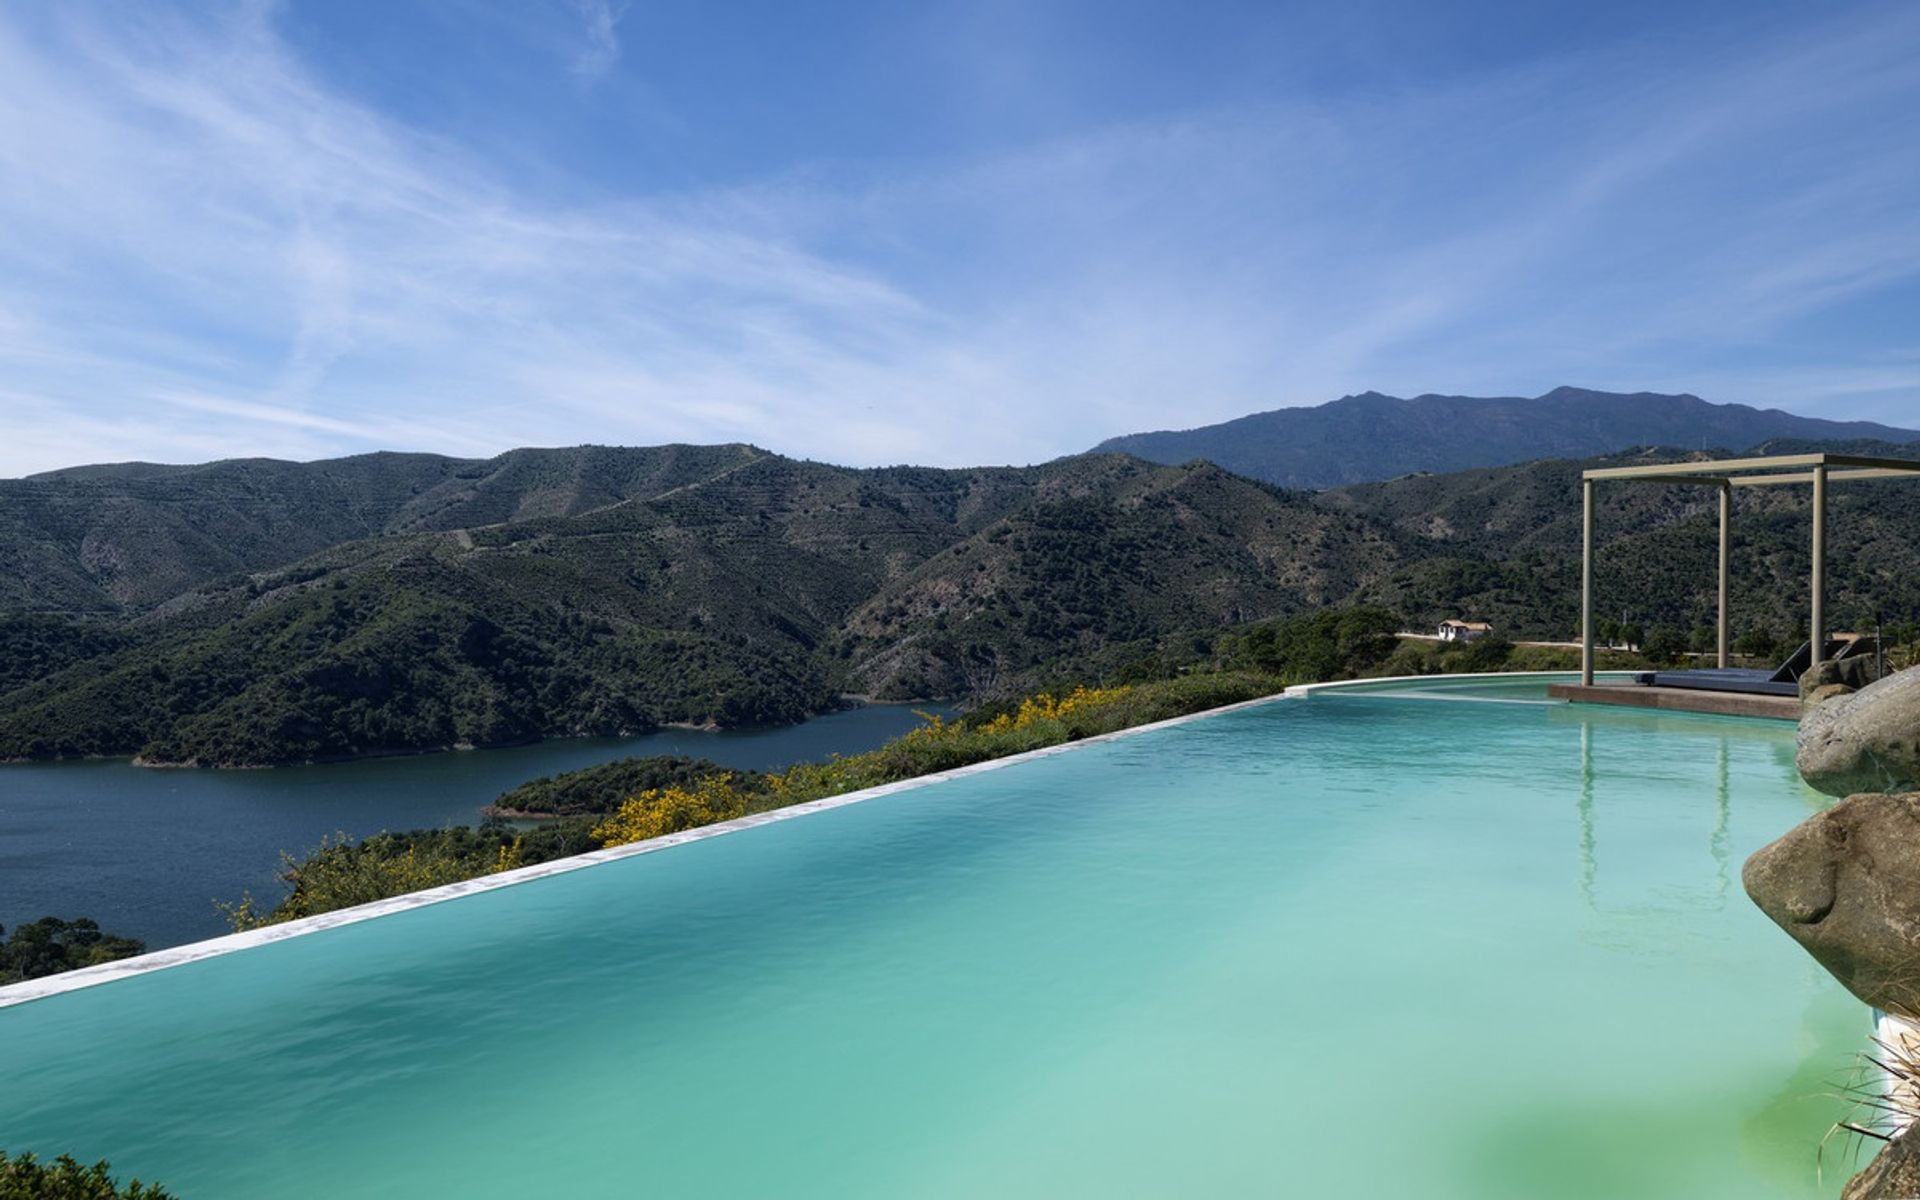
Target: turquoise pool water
{"type": "Point", "coordinates": [1367, 945]}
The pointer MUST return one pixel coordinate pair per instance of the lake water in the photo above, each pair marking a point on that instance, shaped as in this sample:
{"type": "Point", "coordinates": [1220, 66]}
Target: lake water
{"type": "Point", "coordinates": [147, 852]}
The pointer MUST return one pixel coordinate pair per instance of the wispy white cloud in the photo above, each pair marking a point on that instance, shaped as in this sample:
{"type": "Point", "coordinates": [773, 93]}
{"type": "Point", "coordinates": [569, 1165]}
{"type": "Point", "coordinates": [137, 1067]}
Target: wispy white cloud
{"type": "Point", "coordinates": [601, 22]}
{"type": "Point", "coordinates": [211, 252]}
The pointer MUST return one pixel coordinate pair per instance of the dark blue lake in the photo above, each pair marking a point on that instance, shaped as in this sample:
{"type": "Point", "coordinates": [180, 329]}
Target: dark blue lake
{"type": "Point", "coordinates": [147, 852]}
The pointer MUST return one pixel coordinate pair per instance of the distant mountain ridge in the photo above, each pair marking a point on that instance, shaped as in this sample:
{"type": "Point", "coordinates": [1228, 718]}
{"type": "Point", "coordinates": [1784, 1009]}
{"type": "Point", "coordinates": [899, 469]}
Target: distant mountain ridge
{"type": "Point", "coordinates": [1372, 437]}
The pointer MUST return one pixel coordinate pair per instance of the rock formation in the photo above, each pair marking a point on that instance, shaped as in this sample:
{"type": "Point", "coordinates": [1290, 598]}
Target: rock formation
{"type": "Point", "coordinates": [1831, 678]}
{"type": "Point", "coordinates": [1894, 1174]}
{"type": "Point", "coordinates": [1845, 883]}
{"type": "Point", "coordinates": [1864, 741]}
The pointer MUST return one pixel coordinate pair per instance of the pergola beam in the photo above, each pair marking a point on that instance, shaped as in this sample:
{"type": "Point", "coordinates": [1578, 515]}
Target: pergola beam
{"type": "Point", "coordinates": [1708, 480]}
{"type": "Point", "coordinates": [1834, 476]}
{"type": "Point", "coordinates": [1780, 462]}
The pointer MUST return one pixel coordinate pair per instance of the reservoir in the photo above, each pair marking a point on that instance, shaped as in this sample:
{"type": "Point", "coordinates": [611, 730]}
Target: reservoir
{"type": "Point", "coordinates": [147, 852]}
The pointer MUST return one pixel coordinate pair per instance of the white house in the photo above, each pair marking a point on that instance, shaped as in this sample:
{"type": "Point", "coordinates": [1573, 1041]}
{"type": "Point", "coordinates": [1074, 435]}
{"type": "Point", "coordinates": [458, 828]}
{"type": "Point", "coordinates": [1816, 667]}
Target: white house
{"type": "Point", "coordinates": [1463, 631]}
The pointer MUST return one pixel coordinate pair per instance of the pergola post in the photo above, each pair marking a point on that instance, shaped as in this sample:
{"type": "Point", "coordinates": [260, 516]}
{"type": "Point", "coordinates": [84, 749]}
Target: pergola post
{"type": "Point", "coordinates": [1586, 582]}
{"type": "Point", "coordinates": [1726, 562]}
{"type": "Point", "coordinates": [1817, 631]}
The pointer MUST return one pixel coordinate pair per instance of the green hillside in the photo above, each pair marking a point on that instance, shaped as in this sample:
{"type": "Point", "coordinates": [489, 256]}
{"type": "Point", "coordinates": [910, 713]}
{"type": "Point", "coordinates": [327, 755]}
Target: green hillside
{"type": "Point", "coordinates": [602, 591]}
{"type": "Point", "coordinates": [1504, 544]}
{"type": "Point", "coordinates": [756, 592]}
{"type": "Point", "coordinates": [1045, 591]}
{"type": "Point", "coordinates": [125, 537]}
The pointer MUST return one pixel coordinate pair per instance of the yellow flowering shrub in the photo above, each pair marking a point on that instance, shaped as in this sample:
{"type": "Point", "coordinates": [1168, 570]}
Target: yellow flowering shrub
{"type": "Point", "coordinates": [932, 746]}
{"type": "Point", "coordinates": [1045, 707]}
{"type": "Point", "coordinates": [509, 856]}
{"type": "Point", "coordinates": [935, 745]}
{"type": "Point", "coordinates": [671, 809]}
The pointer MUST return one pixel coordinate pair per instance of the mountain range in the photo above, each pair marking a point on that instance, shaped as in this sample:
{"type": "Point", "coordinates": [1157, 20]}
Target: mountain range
{"type": "Point", "coordinates": [602, 590]}
{"type": "Point", "coordinates": [1368, 437]}
{"type": "Point", "coordinates": [253, 612]}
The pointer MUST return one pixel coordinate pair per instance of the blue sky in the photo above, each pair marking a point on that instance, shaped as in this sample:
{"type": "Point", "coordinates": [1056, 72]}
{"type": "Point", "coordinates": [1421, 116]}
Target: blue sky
{"type": "Point", "coordinates": [936, 233]}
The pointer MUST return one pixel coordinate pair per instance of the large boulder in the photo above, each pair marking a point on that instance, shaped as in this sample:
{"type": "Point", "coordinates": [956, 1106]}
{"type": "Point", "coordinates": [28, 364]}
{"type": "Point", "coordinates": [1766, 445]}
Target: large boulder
{"type": "Point", "coordinates": [1864, 741]}
{"type": "Point", "coordinates": [1894, 1173]}
{"type": "Point", "coordinates": [1845, 884]}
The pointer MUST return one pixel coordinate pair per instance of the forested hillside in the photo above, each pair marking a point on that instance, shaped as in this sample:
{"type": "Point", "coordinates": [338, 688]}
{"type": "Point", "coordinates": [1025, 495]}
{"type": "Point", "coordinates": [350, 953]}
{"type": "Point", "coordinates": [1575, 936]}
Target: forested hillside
{"type": "Point", "coordinates": [1058, 582]}
{"type": "Point", "coordinates": [1504, 544]}
{"type": "Point", "coordinates": [124, 537]}
{"type": "Point", "coordinates": [603, 591]}
{"type": "Point", "coordinates": [756, 592]}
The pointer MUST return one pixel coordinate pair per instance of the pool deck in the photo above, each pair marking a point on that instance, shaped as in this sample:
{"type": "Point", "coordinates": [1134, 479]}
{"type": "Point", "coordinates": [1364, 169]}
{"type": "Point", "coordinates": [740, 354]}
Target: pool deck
{"type": "Point", "coordinates": [1695, 700]}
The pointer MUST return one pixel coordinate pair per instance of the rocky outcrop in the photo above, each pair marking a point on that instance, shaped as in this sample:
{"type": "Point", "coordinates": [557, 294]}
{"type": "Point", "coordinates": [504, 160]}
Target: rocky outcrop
{"type": "Point", "coordinates": [1822, 683]}
{"type": "Point", "coordinates": [1836, 677]}
{"type": "Point", "coordinates": [1894, 1173]}
{"type": "Point", "coordinates": [1864, 741]}
{"type": "Point", "coordinates": [1845, 884]}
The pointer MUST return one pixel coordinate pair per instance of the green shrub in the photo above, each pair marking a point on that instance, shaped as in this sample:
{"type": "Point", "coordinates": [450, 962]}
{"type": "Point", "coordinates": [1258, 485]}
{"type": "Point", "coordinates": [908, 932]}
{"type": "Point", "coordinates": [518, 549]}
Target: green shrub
{"type": "Point", "coordinates": [1759, 642]}
{"type": "Point", "coordinates": [1665, 646]}
{"type": "Point", "coordinates": [1332, 643]}
{"type": "Point", "coordinates": [341, 873]}
{"type": "Point", "coordinates": [601, 789]}
{"type": "Point", "coordinates": [1546, 658]}
{"type": "Point", "coordinates": [50, 945]}
{"type": "Point", "coordinates": [1413, 658]}
{"type": "Point", "coordinates": [1488, 653]}
{"type": "Point", "coordinates": [26, 1178]}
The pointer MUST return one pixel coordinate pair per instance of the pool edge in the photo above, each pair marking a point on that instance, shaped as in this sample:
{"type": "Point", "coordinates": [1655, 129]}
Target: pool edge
{"type": "Point", "coordinates": [1334, 685]}
{"type": "Point", "coordinates": [27, 991]}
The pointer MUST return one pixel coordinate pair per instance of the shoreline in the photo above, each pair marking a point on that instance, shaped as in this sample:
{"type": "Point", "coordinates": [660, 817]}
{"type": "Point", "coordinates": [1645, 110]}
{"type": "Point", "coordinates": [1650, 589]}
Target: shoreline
{"type": "Point", "coordinates": [847, 702]}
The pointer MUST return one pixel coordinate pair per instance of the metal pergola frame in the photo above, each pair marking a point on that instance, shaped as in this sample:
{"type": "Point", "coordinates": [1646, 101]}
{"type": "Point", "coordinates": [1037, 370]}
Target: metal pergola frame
{"type": "Point", "coordinates": [1725, 475]}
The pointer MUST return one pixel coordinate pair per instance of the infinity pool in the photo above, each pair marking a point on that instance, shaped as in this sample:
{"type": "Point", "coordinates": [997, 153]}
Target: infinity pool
{"type": "Point", "coordinates": [1357, 944]}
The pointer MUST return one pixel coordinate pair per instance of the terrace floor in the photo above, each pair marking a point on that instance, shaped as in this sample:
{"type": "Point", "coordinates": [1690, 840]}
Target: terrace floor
{"type": "Point", "coordinates": [1671, 699]}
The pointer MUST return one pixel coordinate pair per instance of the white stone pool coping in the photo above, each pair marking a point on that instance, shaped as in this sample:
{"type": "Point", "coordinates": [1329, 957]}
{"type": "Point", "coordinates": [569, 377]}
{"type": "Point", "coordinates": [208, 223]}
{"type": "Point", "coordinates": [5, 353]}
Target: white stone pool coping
{"type": "Point", "coordinates": [176, 956]}
{"type": "Point", "coordinates": [1366, 685]}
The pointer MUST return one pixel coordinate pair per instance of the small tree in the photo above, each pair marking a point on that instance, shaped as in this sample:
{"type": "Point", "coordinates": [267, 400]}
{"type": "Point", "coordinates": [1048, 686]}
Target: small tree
{"type": "Point", "coordinates": [51, 945]}
{"type": "Point", "coordinates": [1665, 645]}
{"type": "Point", "coordinates": [1758, 642]}
{"type": "Point", "coordinates": [1488, 653]}
{"type": "Point", "coordinates": [1630, 635]}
